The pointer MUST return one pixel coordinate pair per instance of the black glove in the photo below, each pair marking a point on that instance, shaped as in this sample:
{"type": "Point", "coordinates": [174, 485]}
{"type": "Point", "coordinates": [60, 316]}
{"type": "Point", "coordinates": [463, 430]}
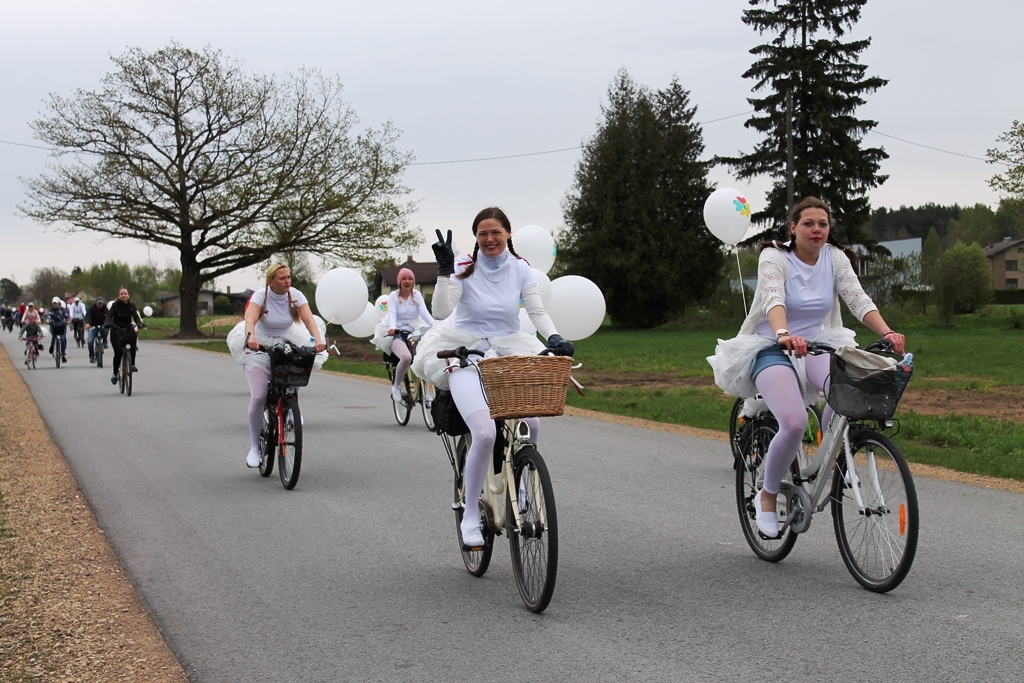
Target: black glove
{"type": "Point", "coordinates": [563, 347]}
{"type": "Point", "coordinates": [443, 254]}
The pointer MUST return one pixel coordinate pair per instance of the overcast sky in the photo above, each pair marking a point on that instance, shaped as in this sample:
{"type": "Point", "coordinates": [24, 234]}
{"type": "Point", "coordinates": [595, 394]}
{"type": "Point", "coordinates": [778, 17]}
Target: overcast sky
{"type": "Point", "coordinates": [476, 79]}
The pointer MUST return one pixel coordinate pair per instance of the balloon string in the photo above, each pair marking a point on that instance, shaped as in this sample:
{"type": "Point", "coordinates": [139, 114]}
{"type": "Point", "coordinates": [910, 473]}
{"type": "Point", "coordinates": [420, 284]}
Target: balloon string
{"type": "Point", "coordinates": [743, 290]}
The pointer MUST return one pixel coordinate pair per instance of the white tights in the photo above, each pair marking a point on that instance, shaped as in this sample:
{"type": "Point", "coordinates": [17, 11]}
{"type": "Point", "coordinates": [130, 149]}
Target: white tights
{"type": "Point", "coordinates": [400, 350]}
{"type": "Point", "coordinates": [464, 384]}
{"type": "Point", "coordinates": [780, 389]}
{"type": "Point", "coordinates": [257, 378]}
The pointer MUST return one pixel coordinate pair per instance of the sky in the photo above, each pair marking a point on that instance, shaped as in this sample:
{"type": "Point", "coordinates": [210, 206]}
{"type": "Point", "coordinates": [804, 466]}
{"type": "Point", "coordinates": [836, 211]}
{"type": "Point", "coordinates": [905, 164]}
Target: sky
{"type": "Point", "coordinates": [511, 82]}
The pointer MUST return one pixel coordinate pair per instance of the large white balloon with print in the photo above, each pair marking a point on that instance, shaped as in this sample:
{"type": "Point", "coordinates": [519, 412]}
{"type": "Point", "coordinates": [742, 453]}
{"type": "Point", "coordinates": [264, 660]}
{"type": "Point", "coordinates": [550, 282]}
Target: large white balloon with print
{"type": "Point", "coordinates": [727, 214]}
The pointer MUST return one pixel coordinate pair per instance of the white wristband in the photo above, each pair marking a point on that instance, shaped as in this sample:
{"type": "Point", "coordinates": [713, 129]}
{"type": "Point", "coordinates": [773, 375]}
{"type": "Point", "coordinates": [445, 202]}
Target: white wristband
{"type": "Point", "coordinates": [782, 331]}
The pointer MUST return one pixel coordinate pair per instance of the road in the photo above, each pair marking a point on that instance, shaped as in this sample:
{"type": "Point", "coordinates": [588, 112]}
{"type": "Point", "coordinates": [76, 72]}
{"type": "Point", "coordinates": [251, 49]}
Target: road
{"type": "Point", "coordinates": [355, 575]}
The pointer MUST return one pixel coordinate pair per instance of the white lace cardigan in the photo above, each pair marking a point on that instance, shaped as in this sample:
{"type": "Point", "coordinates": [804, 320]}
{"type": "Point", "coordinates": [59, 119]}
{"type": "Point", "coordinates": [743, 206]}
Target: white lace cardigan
{"type": "Point", "coordinates": [734, 358]}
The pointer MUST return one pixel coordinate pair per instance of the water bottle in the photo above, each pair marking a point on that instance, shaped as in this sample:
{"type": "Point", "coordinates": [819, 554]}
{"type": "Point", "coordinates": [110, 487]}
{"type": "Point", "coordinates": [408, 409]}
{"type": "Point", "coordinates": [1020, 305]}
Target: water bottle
{"type": "Point", "coordinates": [907, 364]}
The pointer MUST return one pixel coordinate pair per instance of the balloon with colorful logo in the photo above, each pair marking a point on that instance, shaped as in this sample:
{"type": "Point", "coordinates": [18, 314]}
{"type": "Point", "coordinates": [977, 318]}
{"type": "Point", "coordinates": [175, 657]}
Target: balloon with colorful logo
{"type": "Point", "coordinates": [727, 214]}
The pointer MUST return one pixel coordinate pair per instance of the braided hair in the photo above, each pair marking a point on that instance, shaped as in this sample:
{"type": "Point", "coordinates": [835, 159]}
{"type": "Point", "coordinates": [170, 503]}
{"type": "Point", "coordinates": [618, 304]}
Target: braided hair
{"type": "Point", "coordinates": [794, 218]}
{"type": "Point", "coordinates": [498, 215]}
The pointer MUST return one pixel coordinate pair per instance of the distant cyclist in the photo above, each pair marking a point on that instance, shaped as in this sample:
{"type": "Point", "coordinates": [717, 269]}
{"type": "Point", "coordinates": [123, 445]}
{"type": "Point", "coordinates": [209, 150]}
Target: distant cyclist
{"type": "Point", "coordinates": [58, 317]}
{"type": "Point", "coordinates": [76, 312]}
{"type": "Point", "coordinates": [123, 318]}
{"type": "Point", "coordinates": [94, 319]}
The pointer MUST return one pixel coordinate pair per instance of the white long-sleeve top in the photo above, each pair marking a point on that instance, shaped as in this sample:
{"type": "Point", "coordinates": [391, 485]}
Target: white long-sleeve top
{"type": "Point", "coordinates": [486, 303]}
{"type": "Point", "coordinates": [402, 313]}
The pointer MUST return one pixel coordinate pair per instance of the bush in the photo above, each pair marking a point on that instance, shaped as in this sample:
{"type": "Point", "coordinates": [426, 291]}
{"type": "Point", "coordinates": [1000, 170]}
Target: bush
{"type": "Point", "coordinates": [222, 305]}
{"type": "Point", "coordinates": [962, 281]}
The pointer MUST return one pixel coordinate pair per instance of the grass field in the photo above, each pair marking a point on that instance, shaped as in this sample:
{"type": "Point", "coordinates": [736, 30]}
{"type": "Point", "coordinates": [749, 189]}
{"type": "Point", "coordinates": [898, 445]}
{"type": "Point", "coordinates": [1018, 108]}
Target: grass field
{"type": "Point", "coordinates": [979, 353]}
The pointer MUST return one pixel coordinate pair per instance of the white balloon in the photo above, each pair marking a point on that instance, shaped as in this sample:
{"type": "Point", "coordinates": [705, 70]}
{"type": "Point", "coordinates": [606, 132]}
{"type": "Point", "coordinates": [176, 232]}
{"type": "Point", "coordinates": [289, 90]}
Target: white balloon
{"type": "Point", "coordinates": [341, 295]}
{"type": "Point", "coordinates": [381, 305]}
{"type": "Point", "coordinates": [322, 326]}
{"type": "Point", "coordinates": [364, 324]}
{"type": "Point", "coordinates": [147, 311]}
{"type": "Point", "coordinates": [543, 287]}
{"type": "Point", "coordinates": [525, 324]}
{"type": "Point", "coordinates": [536, 245]}
{"type": "Point", "coordinates": [727, 214]}
{"type": "Point", "coordinates": [577, 307]}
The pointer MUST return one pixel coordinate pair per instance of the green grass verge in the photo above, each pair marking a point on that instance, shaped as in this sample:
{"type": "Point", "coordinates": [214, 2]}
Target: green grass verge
{"type": "Point", "coordinates": [974, 355]}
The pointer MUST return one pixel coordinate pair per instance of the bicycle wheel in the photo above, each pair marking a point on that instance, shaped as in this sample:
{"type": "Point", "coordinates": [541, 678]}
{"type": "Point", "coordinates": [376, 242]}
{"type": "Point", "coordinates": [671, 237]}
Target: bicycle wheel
{"type": "Point", "coordinates": [56, 354]}
{"type": "Point", "coordinates": [749, 477]}
{"type": "Point", "coordinates": [534, 545]}
{"type": "Point", "coordinates": [878, 544]}
{"type": "Point", "coordinates": [403, 409]}
{"type": "Point", "coordinates": [290, 442]}
{"type": "Point", "coordinates": [122, 376]}
{"type": "Point", "coordinates": [476, 561]}
{"type": "Point", "coordinates": [98, 351]}
{"type": "Point", "coordinates": [268, 439]}
{"type": "Point", "coordinates": [735, 420]}
{"type": "Point", "coordinates": [427, 393]}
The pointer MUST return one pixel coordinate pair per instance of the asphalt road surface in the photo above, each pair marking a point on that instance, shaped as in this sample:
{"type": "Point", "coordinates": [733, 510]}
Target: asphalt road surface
{"type": "Point", "coordinates": [356, 576]}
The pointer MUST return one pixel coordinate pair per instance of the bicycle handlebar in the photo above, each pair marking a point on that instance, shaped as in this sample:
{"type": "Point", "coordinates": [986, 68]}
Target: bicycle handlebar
{"type": "Point", "coordinates": [817, 348]}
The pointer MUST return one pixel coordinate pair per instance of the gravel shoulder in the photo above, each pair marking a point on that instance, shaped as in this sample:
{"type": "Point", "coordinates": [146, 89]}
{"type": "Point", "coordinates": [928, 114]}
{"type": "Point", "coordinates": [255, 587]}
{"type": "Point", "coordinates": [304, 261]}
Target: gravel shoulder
{"type": "Point", "coordinates": [68, 611]}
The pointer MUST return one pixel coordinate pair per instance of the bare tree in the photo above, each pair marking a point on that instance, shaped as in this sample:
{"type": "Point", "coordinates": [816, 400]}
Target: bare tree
{"type": "Point", "coordinates": [181, 148]}
{"type": "Point", "coordinates": [47, 283]}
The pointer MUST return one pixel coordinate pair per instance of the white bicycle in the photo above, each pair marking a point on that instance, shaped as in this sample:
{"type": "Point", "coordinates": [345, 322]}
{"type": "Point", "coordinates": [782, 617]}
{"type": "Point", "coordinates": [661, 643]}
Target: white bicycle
{"type": "Point", "coordinates": [867, 480]}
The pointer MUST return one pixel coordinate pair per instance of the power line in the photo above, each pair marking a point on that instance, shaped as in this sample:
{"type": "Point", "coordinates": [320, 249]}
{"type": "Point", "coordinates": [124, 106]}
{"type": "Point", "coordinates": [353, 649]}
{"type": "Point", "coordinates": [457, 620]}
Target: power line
{"type": "Point", "coordinates": [550, 151]}
{"type": "Point", "coordinates": [22, 144]}
{"type": "Point", "coordinates": [934, 149]}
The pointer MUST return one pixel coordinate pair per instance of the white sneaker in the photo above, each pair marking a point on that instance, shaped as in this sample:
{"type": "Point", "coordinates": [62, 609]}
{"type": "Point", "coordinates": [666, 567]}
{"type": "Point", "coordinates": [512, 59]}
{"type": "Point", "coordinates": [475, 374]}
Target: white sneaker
{"type": "Point", "coordinates": [396, 394]}
{"type": "Point", "coordinates": [472, 537]}
{"type": "Point", "coordinates": [767, 522]}
{"type": "Point", "coordinates": [253, 458]}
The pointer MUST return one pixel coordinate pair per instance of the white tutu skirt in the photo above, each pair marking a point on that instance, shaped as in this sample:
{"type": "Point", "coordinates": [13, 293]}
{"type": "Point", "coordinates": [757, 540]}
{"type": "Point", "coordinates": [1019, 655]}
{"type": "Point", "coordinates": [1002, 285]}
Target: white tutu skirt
{"type": "Point", "coordinates": [382, 341]}
{"type": "Point", "coordinates": [443, 335]}
{"type": "Point", "coordinates": [297, 336]}
{"type": "Point", "coordinates": [734, 359]}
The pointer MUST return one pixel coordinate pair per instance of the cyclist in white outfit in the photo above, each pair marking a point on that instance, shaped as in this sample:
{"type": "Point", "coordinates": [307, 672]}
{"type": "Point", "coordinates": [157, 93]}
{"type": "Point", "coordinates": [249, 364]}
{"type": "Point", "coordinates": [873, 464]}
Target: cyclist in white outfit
{"type": "Point", "coordinates": [799, 284]}
{"type": "Point", "coordinates": [278, 313]}
{"type": "Point", "coordinates": [479, 308]}
{"type": "Point", "coordinates": [405, 307]}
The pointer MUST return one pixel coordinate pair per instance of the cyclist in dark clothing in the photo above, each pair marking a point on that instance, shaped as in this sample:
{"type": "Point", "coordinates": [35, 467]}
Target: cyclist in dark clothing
{"type": "Point", "coordinates": [120, 318]}
{"type": "Point", "coordinates": [95, 317]}
{"type": "Point", "coordinates": [58, 317]}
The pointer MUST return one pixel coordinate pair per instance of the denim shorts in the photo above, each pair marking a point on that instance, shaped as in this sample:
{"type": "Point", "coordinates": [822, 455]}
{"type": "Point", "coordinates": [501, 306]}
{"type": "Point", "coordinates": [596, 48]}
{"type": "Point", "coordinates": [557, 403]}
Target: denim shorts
{"type": "Point", "coordinates": [766, 358]}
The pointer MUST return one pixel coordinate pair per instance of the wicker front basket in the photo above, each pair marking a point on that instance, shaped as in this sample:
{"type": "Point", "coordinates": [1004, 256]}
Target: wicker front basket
{"type": "Point", "coordinates": [525, 386]}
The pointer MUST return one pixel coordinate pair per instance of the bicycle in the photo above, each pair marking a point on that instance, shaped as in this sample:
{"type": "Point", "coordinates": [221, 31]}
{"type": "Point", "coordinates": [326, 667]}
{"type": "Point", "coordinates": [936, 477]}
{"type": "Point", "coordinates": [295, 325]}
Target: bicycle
{"type": "Point", "coordinates": [99, 342]}
{"type": "Point", "coordinates": [78, 326]}
{"type": "Point", "coordinates": [59, 349]}
{"type": "Point", "coordinates": [525, 510]}
{"type": "Point", "coordinates": [124, 371]}
{"type": "Point", "coordinates": [871, 492]}
{"type": "Point", "coordinates": [281, 435]}
{"type": "Point", "coordinates": [417, 389]}
{"type": "Point", "coordinates": [31, 351]}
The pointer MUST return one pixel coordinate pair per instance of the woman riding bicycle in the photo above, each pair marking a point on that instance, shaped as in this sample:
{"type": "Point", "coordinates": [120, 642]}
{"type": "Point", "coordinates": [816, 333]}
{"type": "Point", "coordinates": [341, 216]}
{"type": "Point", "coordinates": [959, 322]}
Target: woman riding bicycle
{"type": "Point", "coordinates": [122, 319]}
{"type": "Point", "coordinates": [799, 284]}
{"type": "Point", "coordinates": [479, 308]}
{"type": "Point", "coordinates": [405, 307]}
{"type": "Point", "coordinates": [272, 316]}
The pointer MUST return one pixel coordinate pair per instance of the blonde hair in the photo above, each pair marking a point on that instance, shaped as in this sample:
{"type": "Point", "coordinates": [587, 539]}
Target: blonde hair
{"type": "Point", "coordinates": [271, 272]}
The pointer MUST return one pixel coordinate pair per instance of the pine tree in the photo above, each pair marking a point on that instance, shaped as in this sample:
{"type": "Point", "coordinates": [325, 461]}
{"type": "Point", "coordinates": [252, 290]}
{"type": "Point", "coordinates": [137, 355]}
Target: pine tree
{"type": "Point", "coordinates": [807, 58]}
{"type": "Point", "coordinates": [635, 212]}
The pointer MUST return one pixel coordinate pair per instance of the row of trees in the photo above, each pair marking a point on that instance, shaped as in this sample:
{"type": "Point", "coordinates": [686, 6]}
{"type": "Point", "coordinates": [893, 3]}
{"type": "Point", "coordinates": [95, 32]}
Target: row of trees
{"type": "Point", "coordinates": [145, 282]}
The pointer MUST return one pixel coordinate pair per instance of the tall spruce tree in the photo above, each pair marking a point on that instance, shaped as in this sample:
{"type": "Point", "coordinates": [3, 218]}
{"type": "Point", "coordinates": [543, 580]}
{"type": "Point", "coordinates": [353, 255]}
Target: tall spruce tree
{"type": "Point", "coordinates": [635, 211]}
{"type": "Point", "coordinates": [807, 58]}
